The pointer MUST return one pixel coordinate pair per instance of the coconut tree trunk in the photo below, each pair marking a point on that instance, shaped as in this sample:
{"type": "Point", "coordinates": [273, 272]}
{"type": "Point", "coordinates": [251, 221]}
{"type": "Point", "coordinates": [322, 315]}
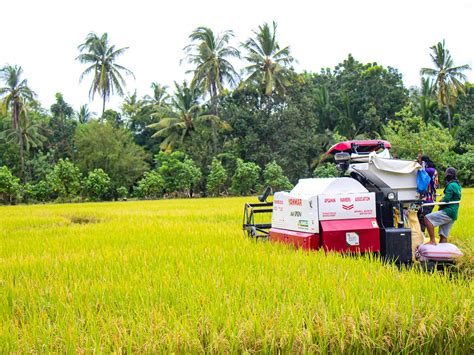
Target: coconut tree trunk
{"type": "Point", "coordinates": [215, 110]}
{"type": "Point", "coordinates": [450, 124]}
{"type": "Point", "coordinates": [22, 155]}
{"type": "Point", "coordinates": [103, 109]}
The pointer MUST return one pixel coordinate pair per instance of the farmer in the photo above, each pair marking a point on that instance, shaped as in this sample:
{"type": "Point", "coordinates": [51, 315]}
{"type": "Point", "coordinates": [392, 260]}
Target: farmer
{"type": "Point", "coordinates": [447, 214]}
{"type": "Point", "coordinates": [430, 195]}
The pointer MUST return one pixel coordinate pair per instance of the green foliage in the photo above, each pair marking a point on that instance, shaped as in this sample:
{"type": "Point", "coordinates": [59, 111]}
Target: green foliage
{"type": "Point", "coordinates": [150, 186]}
{"type": "Point", "coordinates": [210, 53]}
{"type": "Point", "coordinates": [360, 99]}
{"type": "Point", "coordinates": [179, 172]}
{"type": "Point", "coordinates": [37, 192]}
{"type": "Point", "coordinates": [190, 176]}
{"type": "Point", "coordinates": [64, 180]}
{"type": "Point", "coordinates": [113, 117]}
{"type": "Point", "coordinates": [102, 146]}
{"type": "Point", "coordinates": [245, 179]}
{"type": "Point", "coordinates": [41, 165]}
{"type": "Point", "coordinates": [97, 185]}
{"type": "Point", "coordinates": [268, 63]}
{"type": "Point", "coordinates": [326, 170]}
{"type": "Point", "coordinates": [61, 128]}
{"type": "Point", "coordinates": [216, 179]}
{"type": "Point", "coordinates": [100, 57]}
{"type": "Point", "coordinates": [411, 135]}
{"type": "Point", "coordinates": [9, 186]}
{"type": "Point", "coordinates": [274, 177]}
{"type": "Point", "coordinates": [122, 192]}
{"type": "Point", "coordinates": [463, 163]}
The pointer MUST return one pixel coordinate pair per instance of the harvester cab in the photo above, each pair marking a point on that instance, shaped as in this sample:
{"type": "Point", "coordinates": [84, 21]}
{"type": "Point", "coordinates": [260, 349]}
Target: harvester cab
{"type": "Point", "coordinates": [364, 210]}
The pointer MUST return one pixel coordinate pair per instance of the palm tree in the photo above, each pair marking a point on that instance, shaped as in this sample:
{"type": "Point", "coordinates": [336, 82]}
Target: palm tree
{"type": "Point", "coordinates": [84, 115]}
{"type": "Point", "coordinates": [160, 98]}
{"type": "Point", "coordinates": [268, 63]}
{"type": "Point", "coordinates": [448, 78]}
{"type": "Point", "coordinates": [178, 124]}
{"type": "Point", "coordinates": [211, 54]}
{"type": "Point", "coordinates": [426, 100]}
{"type": "Point", "coordinates": [26, 134]}
{"type": "Point", "coordinates": [16, 94]}
{"type": "Point", "coordinates": [101, 56]}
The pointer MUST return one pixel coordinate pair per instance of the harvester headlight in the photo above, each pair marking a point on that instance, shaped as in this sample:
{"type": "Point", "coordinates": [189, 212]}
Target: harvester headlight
{"type": "Point", "coordinates": [391, 196]}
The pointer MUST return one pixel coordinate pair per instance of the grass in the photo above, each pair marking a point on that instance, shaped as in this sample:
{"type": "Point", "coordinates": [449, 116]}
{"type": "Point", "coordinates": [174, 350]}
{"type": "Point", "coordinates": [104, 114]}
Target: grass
{"type": "Point", "coordinates": [178, 276]}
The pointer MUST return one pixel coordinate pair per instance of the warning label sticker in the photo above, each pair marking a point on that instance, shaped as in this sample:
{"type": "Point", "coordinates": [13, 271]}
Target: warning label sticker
{"type": "Point", "coordinates": [352, 238]}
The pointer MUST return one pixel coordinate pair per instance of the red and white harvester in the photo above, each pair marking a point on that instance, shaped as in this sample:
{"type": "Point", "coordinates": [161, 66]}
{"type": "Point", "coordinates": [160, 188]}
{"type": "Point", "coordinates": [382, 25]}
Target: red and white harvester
{"type": "Point", "coordinates": [359, 212]}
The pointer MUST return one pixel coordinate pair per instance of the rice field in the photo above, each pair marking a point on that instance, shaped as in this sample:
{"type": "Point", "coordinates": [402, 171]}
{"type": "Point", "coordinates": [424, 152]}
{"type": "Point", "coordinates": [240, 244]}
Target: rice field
{"type": "Point", "coordinates": [178, 276]}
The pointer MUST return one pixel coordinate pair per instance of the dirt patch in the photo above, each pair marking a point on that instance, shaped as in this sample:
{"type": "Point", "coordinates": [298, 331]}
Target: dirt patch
{"type": "Point", "coordinates": [83, 219]}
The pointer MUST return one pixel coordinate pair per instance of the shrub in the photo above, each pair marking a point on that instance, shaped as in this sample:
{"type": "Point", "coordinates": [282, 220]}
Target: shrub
{"type": "Point", "coordinates": [273, 176]}
{"type": "Point", "coordinates": [217, 178]}
{"type": "Point", "coordinates": [64, 180]}
{"type": "Point", "coordinates": [411, 135]}
{"type": "Point", "coordinates": [150, 186]}
{"type": "Point", "coordinates": [464, 165]}
{"type": "Point", "coordinates": [122, 193]}
{"type": "Point", "coordinates": [40, 192]}
{"type": "Point", "coordinates": [179, 172]}
{"type": "Point", "coordinates": [97, 185]}
{"type": "Point", "coordinates": [245, 178]}
{"type": "Point", "coordinates": [9, 186]}
{"type": "Point", "coordinates": [326, 170]}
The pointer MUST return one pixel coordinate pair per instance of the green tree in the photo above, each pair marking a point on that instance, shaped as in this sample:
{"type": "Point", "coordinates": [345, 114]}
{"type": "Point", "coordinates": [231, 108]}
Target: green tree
{"type": "Point", "coordinates": [9, 186]}
{"type": "Point", "coordinates": [114, 118]}
{"type": "Point", "coordinates": [426, 100]}
{"type": "Point", "coordinates": [449, 79]}
{"type": "Point", "coordinates": [27, 134]}
{"type": "Point", "coordinates": [122, 192]}
{"type": "Point", "coordinates": [326, 170]}
{"type": "Point", "coordinates": [268, 63]}
{"type": "Point", "coordinates": [210, 54]}
{"type": "Point", "coordinates": [15, 97]}
{"type": "Point", "coordinates": [84, 115]}
{"type": "Point", "coordinates": [410, 135]}
{"type": "Point", "coordinates": [245, 178]}
{"type": "Point", "coordinates": [274, 177]}
{"type": "Point", "coordinates": [216, 179]}
{"type": "Point", "coordinates": [65, 180]}
{"type": "Point", "coordinates": [142, 112]}
{"type": "Point", "coordinates": [40, 191]}
{"type": "Point", "coordinates": [179, 124]}
{"type": "Point", "coordinates": [97, 185]}
{"type": "Point", "coordinates": [101, 57]}
{"type": "Point", "coordinates": [179, 172]}
{"type": "Point", "coordinates": [61, 128]}
{"type": "Point", "coordinates": [151, 186]}
{"type": "Point", "coordinates": [102, 146]}
{"type": "Point", "coordinates": [190, 176]}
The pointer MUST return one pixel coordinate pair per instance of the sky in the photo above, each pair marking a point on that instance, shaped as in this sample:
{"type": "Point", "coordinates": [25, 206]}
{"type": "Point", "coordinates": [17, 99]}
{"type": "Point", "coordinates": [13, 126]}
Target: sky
{"type": "Point", "coordinates": [43, 36]}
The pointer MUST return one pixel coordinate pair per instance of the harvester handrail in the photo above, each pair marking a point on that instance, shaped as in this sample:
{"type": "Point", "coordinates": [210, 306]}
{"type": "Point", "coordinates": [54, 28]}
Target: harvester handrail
{"type": "Point", "coordinates": [441, 203]}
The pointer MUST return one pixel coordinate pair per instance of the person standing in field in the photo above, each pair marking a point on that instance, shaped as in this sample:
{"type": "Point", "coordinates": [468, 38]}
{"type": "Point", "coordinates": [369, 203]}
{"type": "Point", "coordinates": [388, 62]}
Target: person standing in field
{"type": "Point", "coordinates": [447, 214]}
{"type": "Point", "coordinates": [430, 195]}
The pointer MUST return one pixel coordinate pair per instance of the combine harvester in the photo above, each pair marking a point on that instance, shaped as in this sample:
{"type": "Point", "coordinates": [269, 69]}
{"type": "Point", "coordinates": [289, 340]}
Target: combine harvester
{"type": "Point", "coordinates": [364, 211]}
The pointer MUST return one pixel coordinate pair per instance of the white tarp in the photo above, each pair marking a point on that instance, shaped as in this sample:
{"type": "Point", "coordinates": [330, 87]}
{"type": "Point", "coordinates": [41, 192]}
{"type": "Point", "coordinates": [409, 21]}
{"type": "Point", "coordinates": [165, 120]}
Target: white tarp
{"type": "Point", "coordinates": [315, 187]}
{"type": "Point", "coordinates": [395, 165]}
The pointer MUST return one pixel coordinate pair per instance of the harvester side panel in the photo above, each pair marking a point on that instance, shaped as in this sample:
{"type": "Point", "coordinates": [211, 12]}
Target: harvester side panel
{"type": "Point", "coordinates": [297, 239]}
{"type": "Point", "coordinates": [356, 235]}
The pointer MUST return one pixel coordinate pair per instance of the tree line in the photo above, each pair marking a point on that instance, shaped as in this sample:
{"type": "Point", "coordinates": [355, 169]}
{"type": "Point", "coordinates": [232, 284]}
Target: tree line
{"type": "Point", "coordinates": [227, 131]}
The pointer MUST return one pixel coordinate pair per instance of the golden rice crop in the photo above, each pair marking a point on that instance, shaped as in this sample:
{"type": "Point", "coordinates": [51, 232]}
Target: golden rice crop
{"type": "Point", "coordinates": [178, 276]}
